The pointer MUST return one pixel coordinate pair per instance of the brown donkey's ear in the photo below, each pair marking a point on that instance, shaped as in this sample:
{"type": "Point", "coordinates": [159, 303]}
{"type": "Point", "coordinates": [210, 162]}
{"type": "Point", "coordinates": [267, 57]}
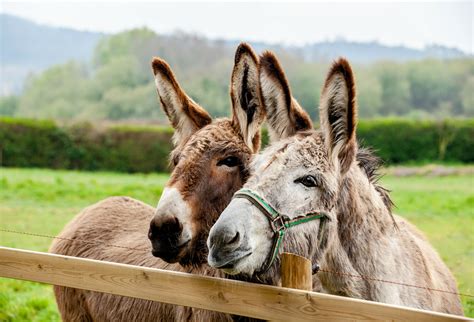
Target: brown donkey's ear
{"type": "Point", "coordinates": [338, 113]}
{"type": "Point", "coordinates": [185, 115]}
{"type": "Point", "coordinates": [247, 108]}
{"type": "Point", "coordinates": [285, 116]}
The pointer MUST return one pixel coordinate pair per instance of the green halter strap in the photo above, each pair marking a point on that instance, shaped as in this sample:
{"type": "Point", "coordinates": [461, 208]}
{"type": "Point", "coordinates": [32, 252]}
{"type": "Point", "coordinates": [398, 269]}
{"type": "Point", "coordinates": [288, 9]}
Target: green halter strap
{"type": "Point", "coordinates": [279, 223]}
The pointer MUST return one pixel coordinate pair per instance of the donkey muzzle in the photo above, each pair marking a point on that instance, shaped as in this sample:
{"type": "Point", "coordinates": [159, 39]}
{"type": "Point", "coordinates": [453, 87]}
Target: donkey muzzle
{"type": "Point", "coordinates": [165, 235]}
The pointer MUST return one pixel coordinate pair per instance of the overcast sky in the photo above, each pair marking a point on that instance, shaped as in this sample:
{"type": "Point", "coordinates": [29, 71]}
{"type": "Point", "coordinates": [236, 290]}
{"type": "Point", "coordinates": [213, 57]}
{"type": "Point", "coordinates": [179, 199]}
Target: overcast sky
{"type": "Point", "coordinates": [413, 24]}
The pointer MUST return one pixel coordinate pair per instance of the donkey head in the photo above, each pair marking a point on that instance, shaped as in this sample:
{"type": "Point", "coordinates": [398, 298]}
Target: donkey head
{"type": "Point", "coordinates": [297, 179]}
{"type": "Point", "coordinates": [210, 158]}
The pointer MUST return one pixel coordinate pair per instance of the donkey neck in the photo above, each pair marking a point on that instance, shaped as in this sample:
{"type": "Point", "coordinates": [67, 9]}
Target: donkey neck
{"type": "Point", "coordinates": [361, 209]}
{"type": "Point", "coordinates": [363, 220]}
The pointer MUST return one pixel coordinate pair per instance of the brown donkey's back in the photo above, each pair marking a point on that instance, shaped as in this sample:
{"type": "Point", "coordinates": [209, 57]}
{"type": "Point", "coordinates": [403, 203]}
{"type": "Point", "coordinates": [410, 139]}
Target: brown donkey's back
{"type": "Point", "coordinates": [119, 221]}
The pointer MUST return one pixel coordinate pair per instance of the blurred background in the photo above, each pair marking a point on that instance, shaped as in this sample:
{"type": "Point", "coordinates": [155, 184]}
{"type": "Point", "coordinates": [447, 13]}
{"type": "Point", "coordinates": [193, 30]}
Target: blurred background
{"type": "Point", "coordinates": [77, 95]}
{"type": "Point", "coordinates": [91, 61]}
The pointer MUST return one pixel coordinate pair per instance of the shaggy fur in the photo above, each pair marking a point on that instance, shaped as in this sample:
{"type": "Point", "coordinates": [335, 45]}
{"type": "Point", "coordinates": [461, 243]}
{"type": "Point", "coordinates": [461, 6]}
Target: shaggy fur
{"type": "Point", "coordinates": [360, 237]}
{"type": "Point", "coordinates": [120, 221]}
{"type": "Point", "coordinates": [207, 187]}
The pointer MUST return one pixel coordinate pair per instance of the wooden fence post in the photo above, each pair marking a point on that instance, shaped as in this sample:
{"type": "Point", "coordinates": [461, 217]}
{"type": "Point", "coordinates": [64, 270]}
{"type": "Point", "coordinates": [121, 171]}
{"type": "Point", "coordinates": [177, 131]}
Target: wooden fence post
{"type": "Point", "coordinates": [296, 272]}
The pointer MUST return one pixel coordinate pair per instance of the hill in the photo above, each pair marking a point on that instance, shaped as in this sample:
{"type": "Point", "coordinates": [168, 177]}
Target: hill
{"type": "Point", "coordinates": [28, 47]}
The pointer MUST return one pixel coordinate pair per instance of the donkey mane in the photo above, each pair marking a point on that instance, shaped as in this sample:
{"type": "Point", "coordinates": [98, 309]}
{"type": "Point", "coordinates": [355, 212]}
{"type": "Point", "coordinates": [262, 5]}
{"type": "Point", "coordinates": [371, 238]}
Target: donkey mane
{"type": "Point", "coordinates": [370, 163]}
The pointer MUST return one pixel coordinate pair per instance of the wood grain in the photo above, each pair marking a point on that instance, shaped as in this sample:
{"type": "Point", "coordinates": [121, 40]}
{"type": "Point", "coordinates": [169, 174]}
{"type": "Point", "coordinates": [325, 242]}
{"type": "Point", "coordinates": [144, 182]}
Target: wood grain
{"type": "Point", "coordinates": [296, 272]}
{"type": "Point", "coordinates": [235, 297]}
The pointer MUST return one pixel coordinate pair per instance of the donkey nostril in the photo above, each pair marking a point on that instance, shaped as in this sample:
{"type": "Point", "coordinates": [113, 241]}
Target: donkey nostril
{"type": "Point", "coordinates": [152, 232]}
{"type": "Point", "coordinates": [162, 227]}
{"type": "Point", "coordinates": [171, 226]}
{"type": "Point", "coordinates": [234, 239]}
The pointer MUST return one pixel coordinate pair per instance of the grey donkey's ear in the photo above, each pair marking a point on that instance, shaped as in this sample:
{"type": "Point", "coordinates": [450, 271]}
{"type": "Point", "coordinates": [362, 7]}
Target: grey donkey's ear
{"type": "Point", "coordinates": [185, 115]}
{"type": "Point", "coordinates": [248, 113]}
{"type": "Point", "coordinates": [285, 116]}
{"type": "Point", "coordinates": [338, 113]}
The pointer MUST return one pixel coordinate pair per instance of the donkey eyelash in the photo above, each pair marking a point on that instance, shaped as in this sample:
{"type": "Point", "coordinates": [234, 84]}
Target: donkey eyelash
{"type": "Point", "coordinates": [175, 159]}
{"type": "Point", "coordinates": [309, 181]}
{"type": "Point", "coordinates": [230, 161]}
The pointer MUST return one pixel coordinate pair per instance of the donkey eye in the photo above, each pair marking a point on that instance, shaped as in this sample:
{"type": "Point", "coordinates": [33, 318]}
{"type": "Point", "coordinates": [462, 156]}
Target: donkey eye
{"type": "Point", "coordinates": [229, 161]}
{"type": "Point", "coordinates": [308, 181]}
{"type": "Point", "coordinates": [175, 159]}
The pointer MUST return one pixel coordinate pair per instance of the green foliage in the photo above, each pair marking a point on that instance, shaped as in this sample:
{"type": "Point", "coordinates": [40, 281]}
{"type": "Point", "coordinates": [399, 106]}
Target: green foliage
{"type": "Point", "coordinates": [26, 143]}
{"type": "Point", "coordinates": [122, 44]}
{"type": "Point", "coordinates": [118, 83]}
{"type": "Point", "coordinates": [409, 141]}
{"type": "Point", "coordinates": [467, 97]}
{"type": "Point", "coordinates": [460, 137]}
{"type": "Point", "coordinates": [8, 105]}
{"type": "Point", "coordinates": [43, 144]}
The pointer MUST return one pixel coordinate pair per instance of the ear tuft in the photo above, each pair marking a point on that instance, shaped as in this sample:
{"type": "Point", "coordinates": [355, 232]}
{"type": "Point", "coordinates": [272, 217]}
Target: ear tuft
{"type": "Point", "coordinates": [285, 116]}
{"type": "Point", "coordinates": [247, 108]}
{"type": "Point", "coordinates": [245, 49]}
{"type": "Point", "coordinates": [160, 66]}
{"type": "Point", "coordinates": [338, 112]}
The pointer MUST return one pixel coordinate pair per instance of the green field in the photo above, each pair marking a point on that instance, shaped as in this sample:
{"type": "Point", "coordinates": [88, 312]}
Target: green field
{"type": "Point", "coordinates": [43, 201]}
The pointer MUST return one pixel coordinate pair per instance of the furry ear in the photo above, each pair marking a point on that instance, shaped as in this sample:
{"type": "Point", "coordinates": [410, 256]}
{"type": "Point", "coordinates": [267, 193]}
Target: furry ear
{"type": "Point", "coordinates": [185, 115]}
{"type": "Point", "coordinates": [247, 108]}
{"type": "Point", "coordinates": [285, 116]}
{"type": "Point", "coordinates": [338, 113]}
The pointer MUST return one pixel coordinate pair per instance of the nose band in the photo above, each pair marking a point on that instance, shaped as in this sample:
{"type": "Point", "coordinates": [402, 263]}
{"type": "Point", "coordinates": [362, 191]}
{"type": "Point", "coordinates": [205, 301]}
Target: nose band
{"type": "Point", "coordinates": [279, 223]}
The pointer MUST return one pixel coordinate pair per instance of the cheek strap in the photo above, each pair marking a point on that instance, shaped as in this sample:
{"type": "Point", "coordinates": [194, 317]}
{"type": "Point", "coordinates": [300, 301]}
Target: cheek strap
{"type": "Point", "coordinates": [279, 223]}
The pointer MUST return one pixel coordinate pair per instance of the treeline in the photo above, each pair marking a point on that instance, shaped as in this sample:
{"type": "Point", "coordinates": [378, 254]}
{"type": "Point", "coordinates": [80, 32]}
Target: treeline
{"type": "Point", "coordinates": [117, 83]}
{"type": "Point", "coordinates": [83, 146]}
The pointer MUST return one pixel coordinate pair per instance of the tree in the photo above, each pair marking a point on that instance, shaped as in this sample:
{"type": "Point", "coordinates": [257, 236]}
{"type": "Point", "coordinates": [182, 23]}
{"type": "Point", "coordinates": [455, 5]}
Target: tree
{"type": "Point", "coordinates": [369, 93]}
{"type": "Point", "coordinates": [395, 89]}
{"type": "Point", "coordinates": [8, 105]}
{"type": "Point", "coordinates": [60, 92]}
{"type": "Point", "coordinates": [467, 97]}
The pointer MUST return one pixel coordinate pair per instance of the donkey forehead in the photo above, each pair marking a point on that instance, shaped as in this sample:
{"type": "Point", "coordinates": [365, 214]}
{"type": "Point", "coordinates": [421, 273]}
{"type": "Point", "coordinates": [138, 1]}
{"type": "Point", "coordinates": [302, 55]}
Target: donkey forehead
{"type": "Point", "coordinates": [305, 150]}
{"type": "Point", "coordinates": [219, 137]}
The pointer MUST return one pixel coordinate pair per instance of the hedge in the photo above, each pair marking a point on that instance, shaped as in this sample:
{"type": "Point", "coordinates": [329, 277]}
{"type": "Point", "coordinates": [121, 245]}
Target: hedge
{"type": "Point", "coordinates": [27, 143]}
{"type": "Point", "coordinates": [410, 141]}
{"type": "Point", "coordinates": [83, 146]}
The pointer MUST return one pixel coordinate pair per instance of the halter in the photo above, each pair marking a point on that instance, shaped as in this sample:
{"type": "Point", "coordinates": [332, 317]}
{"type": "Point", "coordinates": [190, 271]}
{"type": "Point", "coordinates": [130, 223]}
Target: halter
{"type": "Point", "coordinates": [279, 223]}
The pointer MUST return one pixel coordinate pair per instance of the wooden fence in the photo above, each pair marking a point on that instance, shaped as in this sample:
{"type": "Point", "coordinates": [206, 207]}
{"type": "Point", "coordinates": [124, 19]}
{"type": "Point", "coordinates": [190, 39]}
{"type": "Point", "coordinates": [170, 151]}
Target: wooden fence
{"type": "Point", "coordinates": [216, 294]}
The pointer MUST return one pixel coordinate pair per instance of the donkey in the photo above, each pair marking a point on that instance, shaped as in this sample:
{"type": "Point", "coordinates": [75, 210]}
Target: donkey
{"type": "Point", "coordinates": [211, 160]}
{"type": "Point", "coordinates": [319, 190]}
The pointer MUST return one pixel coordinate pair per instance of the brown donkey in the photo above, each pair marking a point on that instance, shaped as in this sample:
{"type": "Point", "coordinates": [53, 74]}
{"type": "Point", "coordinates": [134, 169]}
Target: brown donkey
{"type": "Point", "coordinates": [319, 191]}
{"type": "Point", "coordinates": [211, 160]}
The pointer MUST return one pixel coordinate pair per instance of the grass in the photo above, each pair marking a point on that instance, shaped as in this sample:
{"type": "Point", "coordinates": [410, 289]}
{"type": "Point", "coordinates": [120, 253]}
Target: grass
{"type": "Point", "coordinates": [43, 201]}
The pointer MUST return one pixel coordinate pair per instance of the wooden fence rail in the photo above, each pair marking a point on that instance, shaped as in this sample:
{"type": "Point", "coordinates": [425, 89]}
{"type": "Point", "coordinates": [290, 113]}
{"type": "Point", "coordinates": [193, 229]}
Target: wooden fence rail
{"type": "Point", "coordinates": [216, 294]}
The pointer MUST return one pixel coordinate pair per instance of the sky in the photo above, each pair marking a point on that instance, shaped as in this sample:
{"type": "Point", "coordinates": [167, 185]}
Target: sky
{"type": "Point", "coordinates": [409, 23]}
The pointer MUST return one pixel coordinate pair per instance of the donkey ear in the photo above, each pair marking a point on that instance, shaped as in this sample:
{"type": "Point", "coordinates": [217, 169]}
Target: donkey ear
{"type": "Point", "coordinates": [338, 113]}
{"type": "Point", "coordinates": [247, 108]}
{"type": "Point", "coordinates": [285, 116]}
{"type": "Point", "coordinates": [185, 115]}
